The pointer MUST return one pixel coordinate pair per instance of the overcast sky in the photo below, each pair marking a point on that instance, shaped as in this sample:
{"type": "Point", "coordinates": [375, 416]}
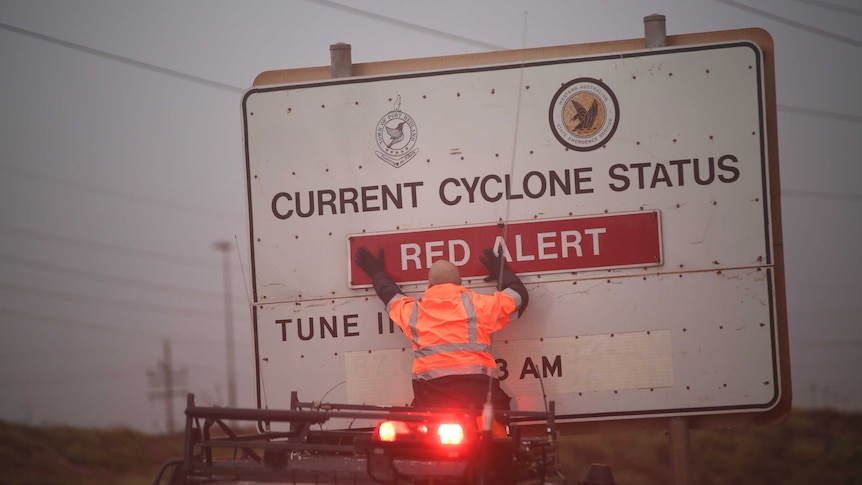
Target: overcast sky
{"type": "Point", "coordinates": [122, 164]}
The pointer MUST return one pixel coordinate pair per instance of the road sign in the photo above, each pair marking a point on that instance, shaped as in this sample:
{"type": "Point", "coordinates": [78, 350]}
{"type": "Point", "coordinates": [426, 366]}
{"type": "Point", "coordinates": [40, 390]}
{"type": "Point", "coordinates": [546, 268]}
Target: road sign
{"type": "Point", "coordinates": [633, 191]}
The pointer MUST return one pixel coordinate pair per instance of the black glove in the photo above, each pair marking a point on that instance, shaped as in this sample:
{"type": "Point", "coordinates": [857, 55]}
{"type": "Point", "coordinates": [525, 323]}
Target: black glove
{"type": "Point", "coordinates": [494, 264]}
{"type": "Point", "coordinates": [368, 263]}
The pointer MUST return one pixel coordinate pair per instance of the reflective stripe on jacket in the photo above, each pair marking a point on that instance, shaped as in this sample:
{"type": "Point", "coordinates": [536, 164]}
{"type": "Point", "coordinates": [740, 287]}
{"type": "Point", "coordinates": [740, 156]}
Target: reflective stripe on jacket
{"type": "Point", "coordinates": [450, 328]}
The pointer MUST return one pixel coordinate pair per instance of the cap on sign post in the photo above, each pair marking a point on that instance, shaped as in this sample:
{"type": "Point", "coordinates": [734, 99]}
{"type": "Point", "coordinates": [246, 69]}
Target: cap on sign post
{"type": "Point", "coordinates": [340, 57]}
{"type": "Point", "coordinates": [655, 31]}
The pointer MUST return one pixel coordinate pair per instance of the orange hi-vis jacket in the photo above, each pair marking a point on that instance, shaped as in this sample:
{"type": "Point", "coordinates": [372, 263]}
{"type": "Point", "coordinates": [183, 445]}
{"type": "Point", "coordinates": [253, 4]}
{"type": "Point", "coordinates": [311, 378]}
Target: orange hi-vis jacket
{"type": "Point", "coordinates": [451, 326]}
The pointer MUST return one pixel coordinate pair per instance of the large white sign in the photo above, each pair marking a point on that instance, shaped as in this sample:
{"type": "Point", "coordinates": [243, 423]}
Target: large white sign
{"type": "Point", "coordinates": [630, 191]}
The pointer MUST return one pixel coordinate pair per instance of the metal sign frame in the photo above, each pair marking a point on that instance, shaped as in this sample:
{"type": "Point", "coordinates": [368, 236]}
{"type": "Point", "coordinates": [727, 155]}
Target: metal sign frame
{"type": "Point", "coordinates": [770, 269]}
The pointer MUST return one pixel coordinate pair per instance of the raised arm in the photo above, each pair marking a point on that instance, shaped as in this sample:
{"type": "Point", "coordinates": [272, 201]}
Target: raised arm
{"type": "Point", "coordinates": [507, 281]}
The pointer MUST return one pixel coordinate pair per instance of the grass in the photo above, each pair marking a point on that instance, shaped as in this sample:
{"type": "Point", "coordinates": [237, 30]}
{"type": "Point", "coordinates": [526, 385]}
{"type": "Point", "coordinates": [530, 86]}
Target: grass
{"type": "Point", "coordinates": [822, 447]}
{"type": "Point", "coordinates": [810, 447]}
{"type": "Point", "coordinates": [52, 455]}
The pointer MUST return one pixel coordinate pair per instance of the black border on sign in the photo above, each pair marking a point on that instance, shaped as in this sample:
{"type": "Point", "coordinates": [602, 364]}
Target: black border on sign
{"type": "Point", "coordinates": [758, 57]}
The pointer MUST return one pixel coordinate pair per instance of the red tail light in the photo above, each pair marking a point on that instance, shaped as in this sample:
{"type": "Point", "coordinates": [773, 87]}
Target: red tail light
{"type": "Point", "coordinates": [442, 433]}
{"type": "Point", "coordinates": [450, 434]}
{"type": "Point", "coordinates": [391, 430]}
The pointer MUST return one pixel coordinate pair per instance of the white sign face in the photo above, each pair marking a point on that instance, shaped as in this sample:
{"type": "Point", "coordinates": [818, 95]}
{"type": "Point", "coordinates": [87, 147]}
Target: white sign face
{"type": "Point", "coordinates": [630, 192]}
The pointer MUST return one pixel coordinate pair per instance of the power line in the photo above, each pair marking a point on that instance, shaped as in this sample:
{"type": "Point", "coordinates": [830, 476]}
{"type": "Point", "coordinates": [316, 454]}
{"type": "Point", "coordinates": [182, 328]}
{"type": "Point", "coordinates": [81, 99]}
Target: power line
{"type": "Point", "coordinates": [134, 331]}
{"type": "Point", "coordinates": [90, 275]}
{"type": "Point", "coordinates": [407, 25]}
{"type": "Point", "coordinates": [793, 23]}
{"type": "Point", "coordinates": [412, 26]}
{"type": "Point", "coordinates": [94, 276]}
{"type": "Point", "coordinates": [812, 194]}
{"type": "Point", "coordinates": [104, 192]}
{"type": "Point", "coordinates": [125, 60]}
{"type": "Point", "coordinates": [110, 248]}
{"type": "Point", "coordinates": [79, 378]}
{"type": "Point", "coordinates": [22, 354]}
{"type": "Point", "coordinates": [40, 351]}
{"type": "Point", "coordinates": [787, 108]}
{"type": "Point", "coordinates": [833, 7]}
{"type": "Point", "coordinates": [146, 307]}
{"type": "Point", "coordinates": [838, 344]}
{"type": "Point", "coordinates": [820, 113]}
{"type": "Point", "coordinates": [68, 322]}
{"type": "Point", "coordinates": [219, 372]}
{"type": "Point", "coordinates": [89, 376]}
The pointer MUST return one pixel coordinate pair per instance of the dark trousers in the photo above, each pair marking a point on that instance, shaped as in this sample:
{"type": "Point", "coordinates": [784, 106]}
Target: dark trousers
{"type": "Point", "coordinates": [463, 391]}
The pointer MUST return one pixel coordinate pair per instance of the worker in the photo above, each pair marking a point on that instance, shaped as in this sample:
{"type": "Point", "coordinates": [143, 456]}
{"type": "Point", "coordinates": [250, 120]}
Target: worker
{"type": "Point", "coordinates": [450, 328]}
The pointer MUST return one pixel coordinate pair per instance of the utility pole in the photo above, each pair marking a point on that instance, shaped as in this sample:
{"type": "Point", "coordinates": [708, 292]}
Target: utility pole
{"type": "Point", "coordinates": [225, 247]}
{"type": "Point", "coordinates": [165, 381]}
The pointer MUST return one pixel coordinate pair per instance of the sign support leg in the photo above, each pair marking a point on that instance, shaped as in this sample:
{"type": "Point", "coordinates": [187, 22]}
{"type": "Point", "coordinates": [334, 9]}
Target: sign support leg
{"type": "Point", "coordinates": [680, 450]}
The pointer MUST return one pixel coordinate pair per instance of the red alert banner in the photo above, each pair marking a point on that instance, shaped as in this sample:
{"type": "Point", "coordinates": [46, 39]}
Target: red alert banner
{"type": "Point", "coordinates": [533, 247]}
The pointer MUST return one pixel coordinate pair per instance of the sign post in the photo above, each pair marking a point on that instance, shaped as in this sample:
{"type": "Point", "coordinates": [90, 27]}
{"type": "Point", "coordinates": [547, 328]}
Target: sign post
{"type": "Point", "coordinates": [680, 450]}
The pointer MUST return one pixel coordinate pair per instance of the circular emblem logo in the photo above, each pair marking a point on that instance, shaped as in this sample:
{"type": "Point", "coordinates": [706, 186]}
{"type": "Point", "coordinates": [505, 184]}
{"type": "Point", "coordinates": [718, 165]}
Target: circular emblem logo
{"type": "Point", "coordinates": [584, 114]}
{"type": "Point", "coordinates": [396, 136]}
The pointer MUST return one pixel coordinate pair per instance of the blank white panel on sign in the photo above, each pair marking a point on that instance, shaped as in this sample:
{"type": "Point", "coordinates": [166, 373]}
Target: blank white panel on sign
{"type": "Point", "coordinates": [379, 377]}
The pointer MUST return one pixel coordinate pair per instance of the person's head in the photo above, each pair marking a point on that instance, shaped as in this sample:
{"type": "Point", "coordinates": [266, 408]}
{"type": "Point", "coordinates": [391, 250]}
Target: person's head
{"type": "Point", "coordinates": [443, 272]}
